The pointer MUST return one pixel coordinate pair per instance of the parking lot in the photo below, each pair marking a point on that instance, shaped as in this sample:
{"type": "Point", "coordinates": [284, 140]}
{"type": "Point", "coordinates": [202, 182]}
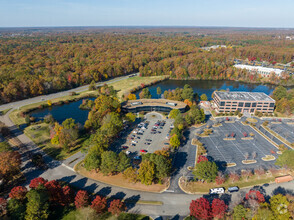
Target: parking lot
{"type": "Point", "coordinates": [234, 151]}
{"type": "Point", "coordinates": [284, 129]}
{"type": "Point", "coordinates": [148, 136]}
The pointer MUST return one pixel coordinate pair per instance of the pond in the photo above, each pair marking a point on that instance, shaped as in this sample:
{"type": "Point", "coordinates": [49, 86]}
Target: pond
{"type": "Point", "coordinates": [208, 86]}
{"type": "Point", "coordinates": [62, 112]}
{"type": "Point", "coordinates": [71, 110]}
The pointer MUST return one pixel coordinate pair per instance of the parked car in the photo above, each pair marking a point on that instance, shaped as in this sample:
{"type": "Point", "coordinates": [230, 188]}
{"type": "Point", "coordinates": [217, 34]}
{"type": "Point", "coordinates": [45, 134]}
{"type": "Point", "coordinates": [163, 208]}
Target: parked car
{"type": "Point", "coordinates": [147, 143]}
{"type": "Point", "coordinates": [125, 147]}
{"type": "Point", "coordinates": [143, 151]}
{"type": "Point", "coordinates": [148, 140]}
{"type": "Point", "coordinates": [153, 132]}
{"type": "Point", "coordinates": [159, 132]}
{"type": "Point", "coordinates": [128, 152]}
{"type": "Point", "coordinates": [137, 157]}
{"type": "Point", "coordinates": [132, 144]}
{"type": "Point", "coordinates": [135, 142]}
{"type": "Point", "coordinates": [220, 190]}
{"type": "Point", "coordinates": [166, 143]}
{"type": "Point", "coordinates": [233, 189]}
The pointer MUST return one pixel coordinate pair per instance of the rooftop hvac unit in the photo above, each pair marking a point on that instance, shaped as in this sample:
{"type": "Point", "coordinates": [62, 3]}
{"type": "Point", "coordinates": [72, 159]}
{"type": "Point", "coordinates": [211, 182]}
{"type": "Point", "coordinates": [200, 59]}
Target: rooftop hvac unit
{"type": "Point", "coordinates": [171, 103]}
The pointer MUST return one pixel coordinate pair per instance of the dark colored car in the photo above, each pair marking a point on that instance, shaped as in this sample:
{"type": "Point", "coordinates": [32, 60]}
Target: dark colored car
{"type": "Point", "coordinates": [125, 147]}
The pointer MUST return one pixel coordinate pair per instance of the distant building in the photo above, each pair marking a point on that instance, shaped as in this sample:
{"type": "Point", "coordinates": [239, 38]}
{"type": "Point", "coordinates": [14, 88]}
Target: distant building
{"type": "Point", "coordinates": [205, 104]}
{"type": "Point", "coordinates": [243, 102]}
{"type": "Point", "coordinates": [264, 71]}
{"type": "Point", "coordinates": [213, 47]}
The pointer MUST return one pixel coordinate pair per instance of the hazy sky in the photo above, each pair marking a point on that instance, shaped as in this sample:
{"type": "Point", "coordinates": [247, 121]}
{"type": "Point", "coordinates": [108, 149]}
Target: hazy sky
{"type": "Point", "coordinates": [238, 13]}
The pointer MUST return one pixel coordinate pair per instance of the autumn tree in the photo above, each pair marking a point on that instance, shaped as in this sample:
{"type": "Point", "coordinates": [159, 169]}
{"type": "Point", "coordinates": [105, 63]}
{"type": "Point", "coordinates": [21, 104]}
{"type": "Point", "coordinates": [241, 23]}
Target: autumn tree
{"type": "Point", "coordinates": [37, 181]}
{"type": "Point", "coordinates": [131, 96]}
{"type": "Point", "coordinates": [187, 93]}
{"type": "Point", "coordinates": [240, 212]}
{"type": "Point", "coordinates": [68, 195]}
{"type": "Point", "coordinates": [99, 204]}
{"type": "Point", "coordinates": [218, 208]}
{"type": "Point", "coordinates": [124, 162]}
{"type": "Point", "coordinates": [18, 192]}
{"type": "Point", "coordinates": [200, 209]}
{"type": "Point", "coordinates": [175, 141]}
{"type": "Point", "coordinates": [145, 94]}
{"type": "Point", "coordinates": [81, 199]}
{"type": "Point", "coordinates": [279, 206]}
{"type": "Point", "coordinates": [116, 207]}
{"type": "Point", "coordinates": [130, 117]}
{"type": "Point", "coordinates": [55, 192]}
{"type": "Point", "coordinates": [174, 113]}
{"type": "Point", "coordinates": [9, 164]}
{"type": "Point", "coordinates": [130, 174]}
{"type": "Point", "coordinates": [16, 209]}
{"type": "Point", "coordinates": [146, 172]}
{"type": "Point", "coordinates": [158, 91]}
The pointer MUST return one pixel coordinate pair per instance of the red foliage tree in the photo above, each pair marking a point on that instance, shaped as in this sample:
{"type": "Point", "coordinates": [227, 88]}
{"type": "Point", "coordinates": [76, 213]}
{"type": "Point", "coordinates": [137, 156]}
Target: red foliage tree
{"type": "Point", "coordinates": [99, 204]}
{"type": "Point", "coordinates": [200, 209]}
{"type": "Point", "coordinates": [234, 177]}
{"type": "Point", "coordinates": [255, 195]}
{"type": "Point", "coordinates": [220, 179]}
{"type": "Point", "coordinates": [18, 192]}
{"type": "Point", "coordinates": [81, 199]}
{"type": "Point", "coordinates": [3, 206]}
{"type": "Point", "coordinates": [55, 192]}
{"type": "Point", "coordinates": [69, 195]}
{"type": "Point", "coordinates": [218, 208]}
{"type": "Point", "coordinates": [116, 207]}
{"type": "Point", "coordinates": [202, 158]}
{"type": "Point", "coordinates": [37, 181]}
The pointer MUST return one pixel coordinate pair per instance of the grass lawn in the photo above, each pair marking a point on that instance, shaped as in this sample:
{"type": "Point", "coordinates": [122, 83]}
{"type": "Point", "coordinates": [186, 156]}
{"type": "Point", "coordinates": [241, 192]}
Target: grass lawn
{"type": "Point", "coordinates": [40, 134]}
{"type": "Point", "coordinates": [252, 120]}
{"type": "Point", "coordinates": [199, 187]}
{"type": "Point", "coordinates": [133, 82]}
{"type": "Point", "coordinates": [89, 214]}
{"type": "Point", "coordinates": [118, 180]}
{"type": "Point", "coordinates": [4, 111]}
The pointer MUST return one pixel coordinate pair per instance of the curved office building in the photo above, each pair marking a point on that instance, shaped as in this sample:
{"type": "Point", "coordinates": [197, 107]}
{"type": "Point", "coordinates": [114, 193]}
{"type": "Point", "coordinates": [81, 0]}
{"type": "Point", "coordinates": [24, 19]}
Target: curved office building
{"type": "Point", "coordinates": [148, 105]}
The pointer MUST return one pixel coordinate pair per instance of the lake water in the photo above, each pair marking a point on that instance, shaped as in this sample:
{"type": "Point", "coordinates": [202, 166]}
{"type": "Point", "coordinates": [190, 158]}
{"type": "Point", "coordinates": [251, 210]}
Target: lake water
{"type": "Point", "coordinates": [71, 110]}
{"type": "Point", "coordinates": [208, 86]}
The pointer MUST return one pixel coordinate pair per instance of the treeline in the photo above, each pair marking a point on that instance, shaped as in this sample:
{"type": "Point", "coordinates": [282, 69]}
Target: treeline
{"type": "Point", "coordinates": [31, 66]}
{"type": "Point", "coordinates": [284, 100]}
{"type": "Point", "coordinates": [57, 200]}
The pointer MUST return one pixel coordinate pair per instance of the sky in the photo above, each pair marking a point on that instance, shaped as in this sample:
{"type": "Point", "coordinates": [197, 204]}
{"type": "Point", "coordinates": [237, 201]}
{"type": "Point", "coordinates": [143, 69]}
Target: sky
{"type": "Point", "coordinates": [225, 13]}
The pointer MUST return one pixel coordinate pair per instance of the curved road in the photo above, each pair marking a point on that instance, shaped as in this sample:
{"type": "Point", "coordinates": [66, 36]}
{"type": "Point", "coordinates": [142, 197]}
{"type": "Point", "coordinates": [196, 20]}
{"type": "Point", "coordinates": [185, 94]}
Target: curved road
{"type": "Point", "coordinates": [175, 202]}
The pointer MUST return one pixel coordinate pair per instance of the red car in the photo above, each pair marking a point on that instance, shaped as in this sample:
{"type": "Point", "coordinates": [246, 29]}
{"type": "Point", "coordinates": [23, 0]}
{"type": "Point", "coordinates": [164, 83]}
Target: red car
{"type": "Point", "coordinates": [125, 147]}
{"type": "Point", "coordinates": [143, 151]}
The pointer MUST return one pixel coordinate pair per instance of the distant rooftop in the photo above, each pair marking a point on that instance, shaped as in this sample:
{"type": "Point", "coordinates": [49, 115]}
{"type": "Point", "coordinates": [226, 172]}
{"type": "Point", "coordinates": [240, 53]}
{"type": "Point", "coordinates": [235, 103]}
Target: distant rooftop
{"type": "Point", "coordinates": [153, 102]}
{"type": "Point", "coordinates": [259, 68]}
{"type": "Point", "coordinates": [244, 96]}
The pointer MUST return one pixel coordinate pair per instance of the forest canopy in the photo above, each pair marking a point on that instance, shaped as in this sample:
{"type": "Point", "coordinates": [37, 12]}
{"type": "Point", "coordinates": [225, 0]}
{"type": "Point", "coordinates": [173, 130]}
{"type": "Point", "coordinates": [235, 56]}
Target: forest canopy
{"type": "Point", "coordinates": [36, 64]}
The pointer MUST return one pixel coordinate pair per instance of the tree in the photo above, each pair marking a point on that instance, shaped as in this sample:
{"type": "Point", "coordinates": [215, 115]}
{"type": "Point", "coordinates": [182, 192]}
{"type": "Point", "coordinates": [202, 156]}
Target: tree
{"type": "Point", "coordinates": [218, 208]}
{"type": "Point", "coordinates": [9, 164]}
{"type": "Point", "coordinates": [99, 204]}
{"type": "Point", "coordinates": [18, 192]}
{"type": "Point", "coordinates": [200, 209]}
{"type": "Point", "coordinates": [116, 207]}
{"type": "Point", "coordinates": [279, 206]}
{"type": "Point", "coordinates": [81, 199]}
{"type": "Point", "coordinates": [255, 195]}
{"type": "Point", "coordinates": [279, 93]}
{"type": "Point", "coordinates": [264, 213]}
{"type": "Point", "coordinates": [286, 159]}
{"type": "Point", "coordinates": [55, 192]}
{"type": "Point", "coordinates": [37, 181]}
{"type": "Point", "coordinates": [124, 162]}
{"type": "Point", "coordinates": [131, 97]}
{"type": "Point", "coordinates": [68, 195]}
{"type": "Point", "coordinates": [16, 209]}
{"type": "Point", "coordinates": [3, 206]}
{"type": "Point", "coordinates": [202, 158]}
{"type": "Point", "coordinates": [240, 213]}
{"type": "Point", "coordinates": [111, 124]}
{"type": "Point", "coordinates": [220, 179]}
{"type": "Point", "coordinates": [109, 162]}
{"type": "Point", "coordinates": [145, 94]}
{"type": "Point", "coordinates": [5, 147]}
{"type": "Point", "coordinates": [203, 97]}
{"type": "Point", "coordinates": [92, 85]}
{"type": "Point", "coordinates": [206, 170]}
{"type": "Point", "coordinates": [130, 117]}
{"type": "Point", "coordinates": [158, 91]}
{"type": "Point", "coordinates": [174, 113]}
{"type": "Point", "coordinates": [175, 141]}
{"type": "Point", "coordinates": [38, 204]}
{"type": "Point", "coordinates": [146, 172]}
{"type": "Point", "coordinates": [93, 160]}
{"type": "Point", "coordinates": [130, 174]}
{"type": "Point", "coordinates": [187, 93]}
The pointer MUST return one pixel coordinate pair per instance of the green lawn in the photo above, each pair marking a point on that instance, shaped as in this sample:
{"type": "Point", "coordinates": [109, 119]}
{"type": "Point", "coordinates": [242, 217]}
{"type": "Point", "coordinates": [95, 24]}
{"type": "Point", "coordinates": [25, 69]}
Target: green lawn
{"type": "Point", "coordinates": [40, 134]}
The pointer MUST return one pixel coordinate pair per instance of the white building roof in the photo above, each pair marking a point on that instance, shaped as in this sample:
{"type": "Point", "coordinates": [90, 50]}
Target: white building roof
{"type": "Point", "coordinates": [259, 69]}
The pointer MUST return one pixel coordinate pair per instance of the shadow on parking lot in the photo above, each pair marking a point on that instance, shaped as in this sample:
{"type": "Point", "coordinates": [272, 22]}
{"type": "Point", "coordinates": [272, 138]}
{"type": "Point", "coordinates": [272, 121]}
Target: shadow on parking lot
{"type": "Point", "coordinates": [227, 198]}
{"type": "Point", "coordinates": [283, 191]}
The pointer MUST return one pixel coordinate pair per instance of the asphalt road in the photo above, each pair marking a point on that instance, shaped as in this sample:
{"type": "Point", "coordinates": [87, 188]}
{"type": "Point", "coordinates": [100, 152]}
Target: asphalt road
{"type": "Point", "coordinates": [36, 99]}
